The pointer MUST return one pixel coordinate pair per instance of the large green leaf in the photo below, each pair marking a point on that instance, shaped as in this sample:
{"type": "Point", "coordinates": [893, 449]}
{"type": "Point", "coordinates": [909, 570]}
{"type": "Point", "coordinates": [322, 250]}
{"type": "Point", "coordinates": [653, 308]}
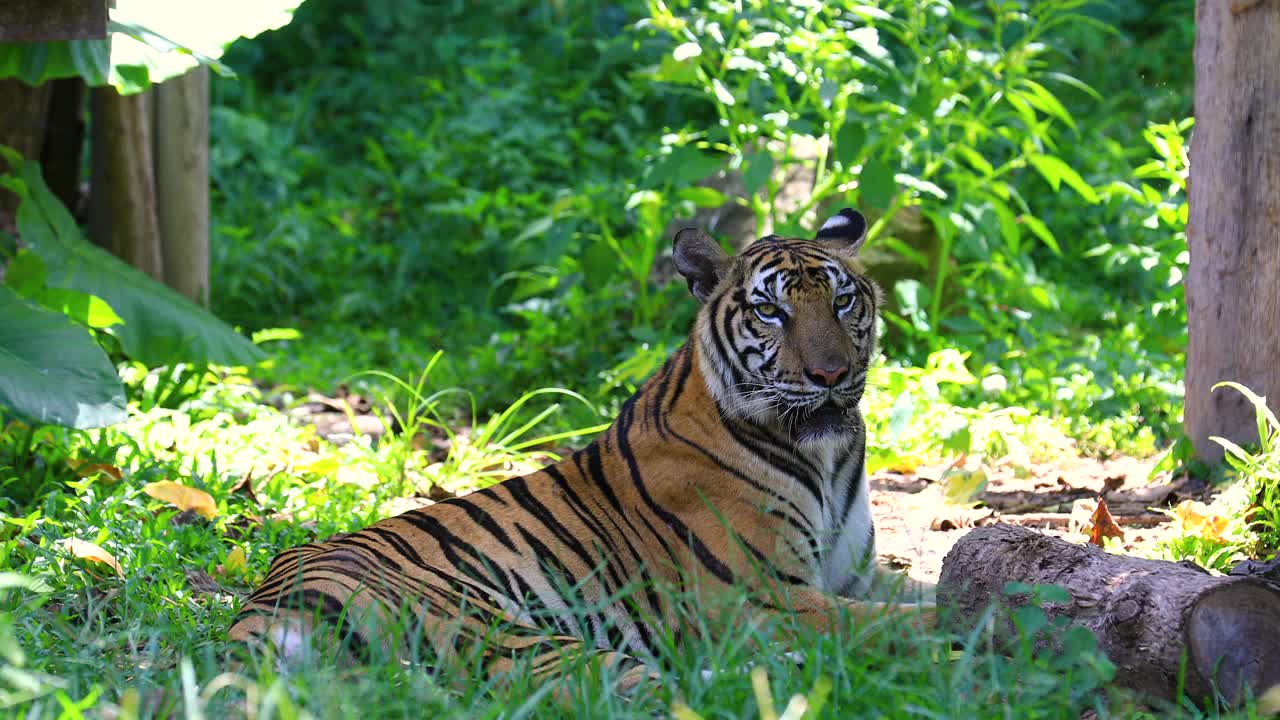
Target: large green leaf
{"type": "Point", "coordinates": [51, 370]}
{"type": "Point", "coordinates": [150, 41]}
{"type": "Point", "coordinates": [161, 327]}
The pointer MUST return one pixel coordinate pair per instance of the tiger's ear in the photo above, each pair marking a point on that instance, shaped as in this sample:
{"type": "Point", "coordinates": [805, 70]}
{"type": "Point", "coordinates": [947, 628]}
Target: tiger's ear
{"type": "Point", "coordinates": [701, 261]}
{"type": "Point", "coordinates": [847, 228]}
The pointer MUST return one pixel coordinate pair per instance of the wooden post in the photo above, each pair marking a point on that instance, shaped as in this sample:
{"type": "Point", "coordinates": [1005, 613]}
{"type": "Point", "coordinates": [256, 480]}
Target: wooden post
{"type": "Point", "coordinates": [1233, 233]}
{"type": "Point", "coordinates": [182, 181]}
{"type": "Point", "coordinates": [21, 128]}
{"type": "Point", "coordinates": [41, 20]}
{"type": "Point", "coordinates": [1148, 615]}
{"type": "Point", "coordinates": [123, 216]}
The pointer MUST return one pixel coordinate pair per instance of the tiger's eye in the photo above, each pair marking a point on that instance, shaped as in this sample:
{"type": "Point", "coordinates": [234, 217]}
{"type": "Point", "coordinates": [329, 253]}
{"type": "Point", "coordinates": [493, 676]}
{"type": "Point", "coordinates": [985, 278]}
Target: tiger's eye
{"type": "Point", "coordinates": [843, 301]}
{"type": "Point", "coordinates": [768, 310]}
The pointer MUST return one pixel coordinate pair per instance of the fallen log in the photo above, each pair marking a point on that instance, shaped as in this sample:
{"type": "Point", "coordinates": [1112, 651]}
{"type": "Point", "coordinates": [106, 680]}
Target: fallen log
{"type": "Point", "coordinates": [1147, 615]}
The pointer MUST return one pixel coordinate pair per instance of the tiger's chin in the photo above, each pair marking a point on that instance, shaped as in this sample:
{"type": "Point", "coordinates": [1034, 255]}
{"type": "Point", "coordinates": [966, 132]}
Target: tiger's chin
{"type": "Point", "coordinates": [828, 423]}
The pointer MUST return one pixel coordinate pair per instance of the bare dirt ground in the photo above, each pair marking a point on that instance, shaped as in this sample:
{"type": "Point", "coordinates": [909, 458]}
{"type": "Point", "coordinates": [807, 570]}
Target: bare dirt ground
{"type": "Point", "coordinates": [915, 527]}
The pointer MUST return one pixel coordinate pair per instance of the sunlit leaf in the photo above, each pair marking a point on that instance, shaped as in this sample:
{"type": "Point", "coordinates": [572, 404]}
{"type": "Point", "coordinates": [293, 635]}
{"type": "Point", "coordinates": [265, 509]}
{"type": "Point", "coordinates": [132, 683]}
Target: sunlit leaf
{"type": "Point", "coordinates": [685, 51]}
{"type": "Point", "coordinates": [51, 370]}
{"type": "Point", "coordinates": [183, 497]}
{"type": "Point", "coordinates": [235, 564]}
{"type": "Point", "coordinates": [85, 550]}
{"type": "Point", "coordinates": [275, 334]}
{"type": "Point", "coordinates": [1040, 230]}
{"type": "Point", "coordinates": [1046, 102]}
{"type": "Point", "coordinates": [1056, 172]}
{"type": "Point", "coordinates": [975, 159]}
{"type": "Point", "coordinates": [86, 309]}
{"type": "Point", "coordinates": [722, 92]}
{"type": "Point", "coordinates": [702, 196]}
{"type": "Point", "coordinates": [1266, 417]}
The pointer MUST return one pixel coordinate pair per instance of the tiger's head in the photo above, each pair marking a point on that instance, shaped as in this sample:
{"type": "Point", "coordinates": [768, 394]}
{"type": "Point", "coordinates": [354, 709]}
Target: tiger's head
{"type": "Point", "coordinates": [787, 328]}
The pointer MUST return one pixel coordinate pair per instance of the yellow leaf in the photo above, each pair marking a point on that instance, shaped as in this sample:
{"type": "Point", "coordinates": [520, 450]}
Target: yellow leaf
{"type": "Point", "coordinates": [1197, 519]}
{"type": "Point", "coordinates": [86, 550]}
{"type": "Point", "coordinates": [183, 497]}
{"type": "Point", "coordinates": [318, 465]}
{"type": "Point", "coordinates": [236, 563]}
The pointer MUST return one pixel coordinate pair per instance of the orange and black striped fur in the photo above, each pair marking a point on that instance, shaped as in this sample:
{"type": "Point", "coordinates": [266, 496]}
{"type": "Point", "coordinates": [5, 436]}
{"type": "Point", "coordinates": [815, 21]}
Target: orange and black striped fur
{"type": "Point", "coordinates": [744, 452]}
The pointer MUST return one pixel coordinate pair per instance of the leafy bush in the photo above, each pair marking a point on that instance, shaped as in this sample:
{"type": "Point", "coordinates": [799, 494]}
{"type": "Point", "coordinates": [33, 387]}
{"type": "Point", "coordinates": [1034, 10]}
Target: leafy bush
{"type": "Point", "coordinates": [525, 219]}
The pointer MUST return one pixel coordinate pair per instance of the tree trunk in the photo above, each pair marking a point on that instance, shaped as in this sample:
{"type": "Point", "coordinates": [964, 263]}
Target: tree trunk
{"type": "Point", "coordinates": [64, 141]}
{"type": "Point", "coordinates": [1233, 283]}
{"type": "Point", "coordinates": [123, 216]}
{"type": "Point", "coordinates": [1146, 614]}
{"type": "Point", "coordinates": [182, 181]}
{"type": "Point", "coordinates": [21, 128]}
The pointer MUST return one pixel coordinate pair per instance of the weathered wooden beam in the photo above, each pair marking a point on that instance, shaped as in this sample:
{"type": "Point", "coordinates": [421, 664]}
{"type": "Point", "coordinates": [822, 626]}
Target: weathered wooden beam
{"type": "Point", "coordinates": [1148, 615]}
{"type": "Point", "coordinates": [42, 20]}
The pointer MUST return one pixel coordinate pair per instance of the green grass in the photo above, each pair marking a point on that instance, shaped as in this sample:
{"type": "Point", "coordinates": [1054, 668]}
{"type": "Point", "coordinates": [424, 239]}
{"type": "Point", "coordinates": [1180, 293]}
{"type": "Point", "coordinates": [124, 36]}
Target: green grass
{"type": "Point", "coordinates": [151, 641]}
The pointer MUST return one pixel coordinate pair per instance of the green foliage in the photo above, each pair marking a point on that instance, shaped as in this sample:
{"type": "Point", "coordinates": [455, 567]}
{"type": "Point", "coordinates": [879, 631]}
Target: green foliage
{"type": "Point", "coordinates": [153, 323]}
{"type": "Point", "coordinates": [534, 207]}
{"type": "Point", "coordinates": [51, 370]}
{"type": "Point", "coordinates": [1259, 474]}
{"type": "Point", "coordinates": [487, 453]}
{"type": "Point", "coordinates": [931, 106]}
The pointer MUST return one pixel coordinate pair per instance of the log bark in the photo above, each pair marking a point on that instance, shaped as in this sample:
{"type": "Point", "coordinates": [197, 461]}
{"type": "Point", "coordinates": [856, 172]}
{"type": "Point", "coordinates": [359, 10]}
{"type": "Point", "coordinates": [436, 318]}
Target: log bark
{"type": "Point", "coordinates": [1233, 281]}
{"type": "Point", "coordinates": [1146, 614]}
{"type": "Point", "coordinates": [123, 213]}
{"type": "Point", "coordinates": [182, 181]}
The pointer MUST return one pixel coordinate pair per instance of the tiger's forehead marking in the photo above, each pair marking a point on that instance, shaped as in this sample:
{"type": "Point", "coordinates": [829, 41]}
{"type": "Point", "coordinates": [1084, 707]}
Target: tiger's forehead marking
{"type": "Point", "coordinates": [779, 267]}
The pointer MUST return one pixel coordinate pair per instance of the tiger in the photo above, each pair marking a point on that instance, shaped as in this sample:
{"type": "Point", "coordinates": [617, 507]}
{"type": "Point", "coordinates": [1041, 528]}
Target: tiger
{"type": "Point", "coordinates": [745, 450]}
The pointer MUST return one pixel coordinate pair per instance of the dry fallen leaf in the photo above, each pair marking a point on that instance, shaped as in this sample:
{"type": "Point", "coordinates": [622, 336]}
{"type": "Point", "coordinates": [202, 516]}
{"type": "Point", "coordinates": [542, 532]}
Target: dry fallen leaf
{"type": "Point", "coordinates": [92, 552]}
{"type": "Point", "coordinates": [183, 497]}
{"type": "Point", "coordinates": [245, 486]}
{"type": "Point", "coordinates": [86, 469]}
{"type": "Point", "coordinates": [1102, 525]}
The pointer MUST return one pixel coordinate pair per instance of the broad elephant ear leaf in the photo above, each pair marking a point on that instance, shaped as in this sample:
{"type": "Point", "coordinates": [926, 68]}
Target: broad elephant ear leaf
{"type": "Point", "coordinates": [161, 327]}
{"type": "Point", "coordinates": [51, 370]}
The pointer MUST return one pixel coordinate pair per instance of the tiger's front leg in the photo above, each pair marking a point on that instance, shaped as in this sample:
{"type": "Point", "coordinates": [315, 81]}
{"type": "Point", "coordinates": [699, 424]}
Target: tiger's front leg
{"type": "Point", "coordinates": [821, 611]}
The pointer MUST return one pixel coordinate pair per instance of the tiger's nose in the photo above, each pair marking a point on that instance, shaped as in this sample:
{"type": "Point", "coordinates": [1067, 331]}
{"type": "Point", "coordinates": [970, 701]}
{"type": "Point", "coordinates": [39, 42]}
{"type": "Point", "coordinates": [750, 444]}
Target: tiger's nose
{"type": "Point", "coordinates": [827, 376]}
